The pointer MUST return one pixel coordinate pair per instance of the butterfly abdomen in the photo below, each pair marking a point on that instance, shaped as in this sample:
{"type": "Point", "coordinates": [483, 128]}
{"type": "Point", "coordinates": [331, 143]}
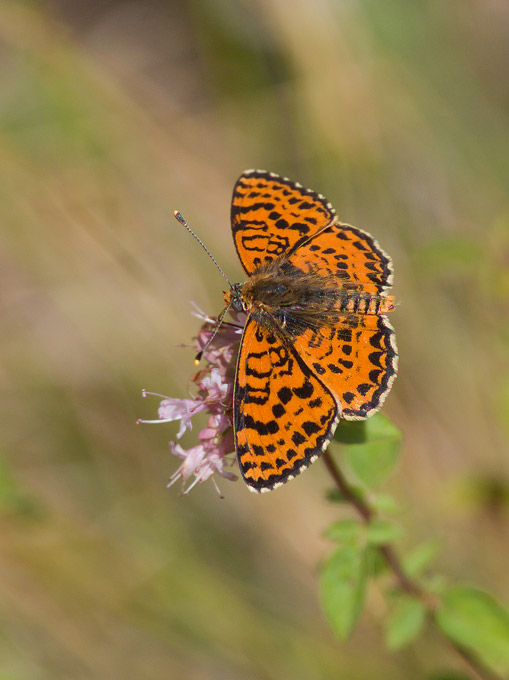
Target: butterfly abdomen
{"type": "Point", "coordinates": [360, 302]}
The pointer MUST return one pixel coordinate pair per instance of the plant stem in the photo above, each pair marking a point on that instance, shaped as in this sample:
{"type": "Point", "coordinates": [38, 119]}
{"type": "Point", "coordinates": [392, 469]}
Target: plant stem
{"type": "Point", "coordinates": [409, 586]}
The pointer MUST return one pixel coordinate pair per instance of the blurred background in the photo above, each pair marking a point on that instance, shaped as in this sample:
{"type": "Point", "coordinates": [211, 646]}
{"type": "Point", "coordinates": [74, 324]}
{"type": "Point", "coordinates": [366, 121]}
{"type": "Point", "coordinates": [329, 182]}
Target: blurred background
{"type": "Point", "coordinates": [113, 114]}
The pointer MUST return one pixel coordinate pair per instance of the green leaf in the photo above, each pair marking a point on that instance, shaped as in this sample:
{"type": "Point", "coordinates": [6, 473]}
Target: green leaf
{"type": "Point", "coordinates": [384, 502]}
{"type": "Point", "coordinates": [374, 460]}
{"type": "Point", "coordinates": [475, 620]}
{"type": "Point", "coordinates": [345, 531]}
{"type": "Point", "coordinates": [378, 564]}
{"type": "Point", "coordinates": [420, 558]}
{"type": "Point", "coordinates": [335, 496]}
{"type": "Point", "coordinates": [343, 587]}
{"type": "Point", "coordinates": [405, 622]}
{"type": "Point", "coordinates": [437, 584]}
{"type": "Point", "coordinates": [351, 432]}
{"type": "Point", "coordinates": [381, 532]}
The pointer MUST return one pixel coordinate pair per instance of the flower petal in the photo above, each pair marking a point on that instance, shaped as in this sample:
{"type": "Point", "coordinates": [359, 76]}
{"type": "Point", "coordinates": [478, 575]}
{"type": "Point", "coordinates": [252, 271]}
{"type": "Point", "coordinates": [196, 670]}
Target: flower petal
{"type": "Point", "coordinates": [180, 409]}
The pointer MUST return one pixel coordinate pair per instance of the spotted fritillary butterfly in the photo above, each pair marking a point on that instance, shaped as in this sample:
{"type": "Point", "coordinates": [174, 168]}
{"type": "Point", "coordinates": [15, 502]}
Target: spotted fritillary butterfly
{"type": "Point", "coordinates": [317, 345]}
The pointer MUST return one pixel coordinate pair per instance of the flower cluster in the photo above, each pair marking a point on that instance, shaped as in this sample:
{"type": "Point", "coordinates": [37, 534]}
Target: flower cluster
{"type": "Point", "coordinates": [218, 346]}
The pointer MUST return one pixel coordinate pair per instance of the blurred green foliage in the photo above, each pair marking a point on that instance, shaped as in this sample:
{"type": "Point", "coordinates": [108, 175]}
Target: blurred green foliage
{"type": "Point", "coordinates": [112, 114]}
{"type": "Point", "coordinates": [471, 621]}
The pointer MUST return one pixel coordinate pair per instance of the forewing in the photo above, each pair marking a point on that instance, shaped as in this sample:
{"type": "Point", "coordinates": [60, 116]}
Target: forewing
{"type": "Point", "coordinates": [357, 360]}
{"type": "Point", "coordinates": [348, 254]}
{"type": "Point", "coordinates": [272, 216]}
{"type": "Point", "coordinates": [284, 416]}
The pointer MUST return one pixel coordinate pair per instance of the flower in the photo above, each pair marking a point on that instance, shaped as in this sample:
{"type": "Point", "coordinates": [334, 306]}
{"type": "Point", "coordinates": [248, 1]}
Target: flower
{"type": "Point", "coordinates": [218, 345]}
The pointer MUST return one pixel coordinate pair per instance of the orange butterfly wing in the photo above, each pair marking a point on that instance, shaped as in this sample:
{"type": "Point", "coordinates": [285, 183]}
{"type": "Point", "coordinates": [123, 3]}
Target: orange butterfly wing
{"type": "Point", "coordinates": [271, 216]}
{"type": "Point", "coordinates": [284, 416]}
{"type": "Point", "coordinates": [347, 254]}
{"type": "Point", "coordinates": [357, 360]}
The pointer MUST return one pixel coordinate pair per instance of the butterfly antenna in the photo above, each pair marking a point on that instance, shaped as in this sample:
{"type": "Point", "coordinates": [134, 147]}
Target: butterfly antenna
{"type": "Point", "coordinates": [219, 322]}
{"type": "Point", "coordinates": [182, 221]}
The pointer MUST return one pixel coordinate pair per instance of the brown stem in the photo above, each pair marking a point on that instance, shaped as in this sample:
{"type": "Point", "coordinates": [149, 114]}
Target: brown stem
{"type": "Point", "coordinates": [362, 508]}
{"type": "Point", "coordinates": [406, 584]}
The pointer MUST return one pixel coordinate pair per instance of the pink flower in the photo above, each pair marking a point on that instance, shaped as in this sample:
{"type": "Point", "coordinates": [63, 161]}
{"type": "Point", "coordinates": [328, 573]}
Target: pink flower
{"type": "Point", "coordinates": [218, 348]}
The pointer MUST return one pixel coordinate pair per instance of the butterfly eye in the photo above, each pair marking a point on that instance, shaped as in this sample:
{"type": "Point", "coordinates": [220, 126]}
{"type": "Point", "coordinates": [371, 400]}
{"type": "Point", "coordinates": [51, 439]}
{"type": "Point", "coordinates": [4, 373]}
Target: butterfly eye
{"type": "Point", "coordinates": [234, 298]}
{"type": "Point", "coordinates": [238, 305]}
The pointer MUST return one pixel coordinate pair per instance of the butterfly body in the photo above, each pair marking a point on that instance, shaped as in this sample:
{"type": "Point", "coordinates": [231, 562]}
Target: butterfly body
{"type": "Point", "coordinates": [285, 297]}
{"type": "Point", "coordinates": [317, 345]}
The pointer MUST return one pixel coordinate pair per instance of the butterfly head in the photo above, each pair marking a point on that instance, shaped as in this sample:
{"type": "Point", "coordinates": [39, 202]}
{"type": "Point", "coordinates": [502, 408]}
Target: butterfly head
{"type": "Point", "coordinates": [233, 298]}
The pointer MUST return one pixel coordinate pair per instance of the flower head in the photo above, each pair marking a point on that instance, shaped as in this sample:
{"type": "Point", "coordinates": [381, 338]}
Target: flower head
{"type": "Point", "coordinates": [218, 346]}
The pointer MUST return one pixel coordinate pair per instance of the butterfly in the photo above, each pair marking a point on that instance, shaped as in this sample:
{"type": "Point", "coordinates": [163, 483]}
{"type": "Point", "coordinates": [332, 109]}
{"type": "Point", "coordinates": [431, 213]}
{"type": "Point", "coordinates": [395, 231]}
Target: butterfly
{"type": "Point", "coordinates": [317, 345]}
